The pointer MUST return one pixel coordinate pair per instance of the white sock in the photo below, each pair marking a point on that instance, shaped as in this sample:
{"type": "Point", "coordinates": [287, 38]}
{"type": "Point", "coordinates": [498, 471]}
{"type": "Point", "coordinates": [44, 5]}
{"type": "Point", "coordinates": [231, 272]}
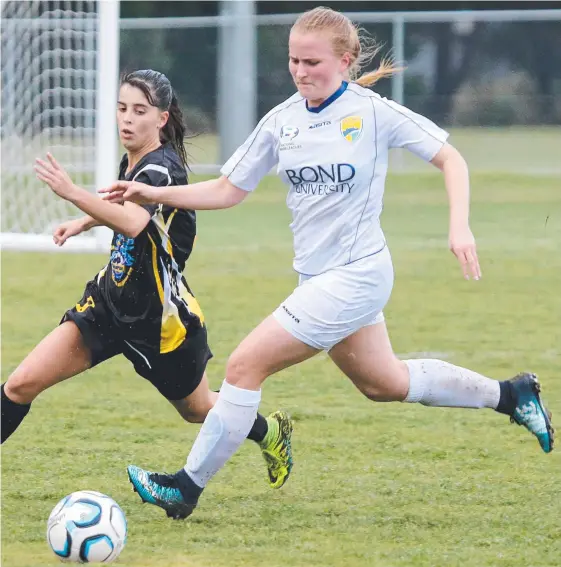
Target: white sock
{"type": "Point", "coordinates": [438, 383]}
{"type": "Point", "coordinates": [224, 430]}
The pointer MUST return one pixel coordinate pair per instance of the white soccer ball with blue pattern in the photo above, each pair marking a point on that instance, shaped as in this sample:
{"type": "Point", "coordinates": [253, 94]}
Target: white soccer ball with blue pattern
{"type": "Point", "coordinates": [87, 527]}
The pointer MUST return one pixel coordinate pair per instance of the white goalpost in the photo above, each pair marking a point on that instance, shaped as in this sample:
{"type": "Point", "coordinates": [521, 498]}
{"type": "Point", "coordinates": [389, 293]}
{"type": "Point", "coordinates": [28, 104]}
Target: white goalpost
{"type": "Point", "coordinates": [59, 94]}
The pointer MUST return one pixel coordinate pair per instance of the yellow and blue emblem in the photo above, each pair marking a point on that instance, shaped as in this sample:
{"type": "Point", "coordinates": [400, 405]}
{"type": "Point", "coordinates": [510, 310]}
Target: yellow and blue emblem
{"type": "Point", "coordinates": [351, 128]}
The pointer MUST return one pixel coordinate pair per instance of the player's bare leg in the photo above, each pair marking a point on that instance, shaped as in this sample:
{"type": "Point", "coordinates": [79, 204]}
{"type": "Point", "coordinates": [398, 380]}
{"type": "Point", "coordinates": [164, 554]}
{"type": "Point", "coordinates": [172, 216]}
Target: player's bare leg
{"type": "Point", "coordinates": [367, 358]}
{"type": "Point", "coordinates": [59, 356]}
{"type": "Point", "coordinates": [195, 407]}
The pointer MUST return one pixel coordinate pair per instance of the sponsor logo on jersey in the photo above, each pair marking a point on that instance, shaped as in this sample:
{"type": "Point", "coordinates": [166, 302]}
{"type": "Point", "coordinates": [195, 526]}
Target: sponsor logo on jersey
{"type": "Point", "coordinates": [319, 124]}
{"type": "Point", "coordinates": [288, 133]}
{"type": "Point", "coordinates": [322, 180]}
{"type": "Point", "coordinates": [351, 128]}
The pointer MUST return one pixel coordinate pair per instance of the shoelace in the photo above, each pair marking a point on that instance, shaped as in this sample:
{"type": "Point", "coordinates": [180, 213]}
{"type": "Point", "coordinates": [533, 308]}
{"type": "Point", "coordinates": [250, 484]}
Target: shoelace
{"type": "Point", "coordinates": [164, 480]}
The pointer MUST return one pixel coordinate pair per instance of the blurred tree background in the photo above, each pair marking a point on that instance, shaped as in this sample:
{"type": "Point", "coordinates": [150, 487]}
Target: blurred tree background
{"type": "Point", "coordinates": [475, 73]}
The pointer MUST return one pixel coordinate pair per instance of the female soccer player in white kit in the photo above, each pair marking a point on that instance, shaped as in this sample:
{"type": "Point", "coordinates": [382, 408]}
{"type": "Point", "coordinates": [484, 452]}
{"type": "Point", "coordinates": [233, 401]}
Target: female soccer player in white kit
{"type": "Point", "coordinates": [330, 145]}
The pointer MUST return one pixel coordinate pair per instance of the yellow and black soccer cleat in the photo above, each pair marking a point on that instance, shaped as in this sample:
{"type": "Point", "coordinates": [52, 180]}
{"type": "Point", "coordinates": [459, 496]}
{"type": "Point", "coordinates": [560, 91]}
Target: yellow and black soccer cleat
{"type": "Point", "coordinates": [277, 449]}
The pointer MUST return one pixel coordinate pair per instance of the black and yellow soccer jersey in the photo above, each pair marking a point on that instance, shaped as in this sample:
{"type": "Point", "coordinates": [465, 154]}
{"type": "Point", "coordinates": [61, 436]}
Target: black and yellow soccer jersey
{"type": "Point", "coordinates": [142, 284]}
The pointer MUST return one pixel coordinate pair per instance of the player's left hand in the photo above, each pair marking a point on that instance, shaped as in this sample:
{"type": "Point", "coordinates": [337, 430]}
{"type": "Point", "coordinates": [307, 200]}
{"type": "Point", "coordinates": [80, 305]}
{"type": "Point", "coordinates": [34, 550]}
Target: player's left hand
{"type": "Point", "coordinates": [462, 245]}
{"type": "Point", "coordinates": [54, 176]}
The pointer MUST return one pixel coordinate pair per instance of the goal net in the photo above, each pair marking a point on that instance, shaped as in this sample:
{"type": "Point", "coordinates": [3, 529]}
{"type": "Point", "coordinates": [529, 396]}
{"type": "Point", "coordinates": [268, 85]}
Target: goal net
{"type": "Point", "coordinates": [56, 58]}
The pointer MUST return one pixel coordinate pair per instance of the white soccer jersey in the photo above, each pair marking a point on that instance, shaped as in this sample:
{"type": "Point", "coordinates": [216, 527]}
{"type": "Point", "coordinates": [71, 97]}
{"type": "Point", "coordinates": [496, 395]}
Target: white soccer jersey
{"type": "Point", "coordinates": [334, 160]}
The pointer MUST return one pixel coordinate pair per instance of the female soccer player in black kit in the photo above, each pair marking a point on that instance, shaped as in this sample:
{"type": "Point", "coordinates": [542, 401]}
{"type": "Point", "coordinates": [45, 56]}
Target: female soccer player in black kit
{"type": "Point", "coordinates": [139, 304]}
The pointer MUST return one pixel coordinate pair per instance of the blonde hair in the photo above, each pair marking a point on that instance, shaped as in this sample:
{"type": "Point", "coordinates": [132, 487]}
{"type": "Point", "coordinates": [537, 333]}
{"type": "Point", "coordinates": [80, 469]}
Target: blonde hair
{"type": "Point", "coordinates": [348, 38]}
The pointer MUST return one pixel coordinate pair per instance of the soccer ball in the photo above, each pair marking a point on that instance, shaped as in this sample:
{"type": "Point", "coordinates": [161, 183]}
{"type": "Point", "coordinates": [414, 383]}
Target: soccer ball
{"type": "Point", "coordinates": [87, 527]}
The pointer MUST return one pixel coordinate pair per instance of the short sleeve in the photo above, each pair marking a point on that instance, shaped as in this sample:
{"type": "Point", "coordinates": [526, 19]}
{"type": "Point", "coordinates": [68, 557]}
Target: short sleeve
{"type": "Point", "coordinates": [414, 132]}
{"type": "Point", "coordinates": [255, 157]}
{"type": "Point", "coordinates": [156, 176]}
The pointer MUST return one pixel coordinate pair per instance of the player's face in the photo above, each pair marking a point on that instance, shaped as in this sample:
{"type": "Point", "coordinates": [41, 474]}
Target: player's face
{"type": "Point", "coordinates": [316, 70]}
{"type": "Point", "coordinates": [139, 122]}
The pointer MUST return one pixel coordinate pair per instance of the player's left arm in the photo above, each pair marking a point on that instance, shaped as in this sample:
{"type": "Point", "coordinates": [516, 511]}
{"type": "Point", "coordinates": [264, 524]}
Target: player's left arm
{"type": "Point", "coordinates": [130, 219]}
{"type": "Point", "coordinates": [426, 140]}
{"type": "Point", "coordinates": [456, 179]}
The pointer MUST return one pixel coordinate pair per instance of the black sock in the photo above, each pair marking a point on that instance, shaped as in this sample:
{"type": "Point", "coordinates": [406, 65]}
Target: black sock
{"type": "Point", "coordinates": [189, 489]}
{"type": "Point", "coordinates": [12, 415]}
{"type": "Point", "coordinates": [507, 401]}
{"type": "Point", "coordinates": [259, 429]}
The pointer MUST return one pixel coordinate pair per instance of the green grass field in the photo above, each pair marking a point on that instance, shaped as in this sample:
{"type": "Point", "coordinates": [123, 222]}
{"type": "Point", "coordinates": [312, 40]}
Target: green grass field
{"type": "Point", "coordinates": [373, 485]}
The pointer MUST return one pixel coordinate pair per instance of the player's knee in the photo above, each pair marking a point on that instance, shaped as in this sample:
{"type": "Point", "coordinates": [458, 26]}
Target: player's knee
{"type": "Point", "coordinates": [242, 371]}
{"type": "Point", "coordinates": [377, 392]}
{"type": "Point", "coordinates": [193, 412]}
{"type": "Point", "coordinates": [388, 386]}
{"type": "Point", "coordinates": [194, 415]}
{"type": "Point", "coordinates": [236, 368]}
{"type": "Point", "coordinates": [22, 386]}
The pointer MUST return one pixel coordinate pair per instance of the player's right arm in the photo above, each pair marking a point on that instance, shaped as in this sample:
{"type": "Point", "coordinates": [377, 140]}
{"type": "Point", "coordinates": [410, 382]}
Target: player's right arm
{"type": "Point", "coordinates": [218, 193]}
{"type": "Point", "coordinates": [241, 175]}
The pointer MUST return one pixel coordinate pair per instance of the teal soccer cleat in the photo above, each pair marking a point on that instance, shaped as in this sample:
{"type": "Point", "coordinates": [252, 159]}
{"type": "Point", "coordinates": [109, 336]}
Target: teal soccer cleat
{"type": "Point", "coordinates": [530, 410]}
{"type": "Point", "coordinates": [176, 493]}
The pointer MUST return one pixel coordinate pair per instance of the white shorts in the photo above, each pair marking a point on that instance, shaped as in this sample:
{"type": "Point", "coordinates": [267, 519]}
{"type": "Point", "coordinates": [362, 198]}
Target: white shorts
{"type": "Point", "coordinates": [327, 308]}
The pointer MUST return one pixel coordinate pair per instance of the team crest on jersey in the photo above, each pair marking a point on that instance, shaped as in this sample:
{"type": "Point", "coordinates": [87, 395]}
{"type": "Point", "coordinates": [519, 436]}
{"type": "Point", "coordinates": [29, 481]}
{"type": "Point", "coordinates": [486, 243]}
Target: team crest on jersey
{"type": "Point", "coordinates": [288, 133]}
{"type": "Point", "coordinates": [121, 258]}
{"type": "Point", "coordinates": [351, 128]}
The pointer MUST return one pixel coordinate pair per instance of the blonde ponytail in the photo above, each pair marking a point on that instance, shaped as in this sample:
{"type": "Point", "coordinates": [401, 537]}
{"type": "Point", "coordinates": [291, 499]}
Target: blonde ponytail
{"type": "Point", "coordinates": [386, 69]}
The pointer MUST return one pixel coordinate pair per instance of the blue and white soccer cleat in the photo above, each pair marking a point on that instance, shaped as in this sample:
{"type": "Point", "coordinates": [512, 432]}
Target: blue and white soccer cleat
{"type": "Point", "coordinates": [530, 410]}
{"type": "Point", "coordinates": [167, 491]}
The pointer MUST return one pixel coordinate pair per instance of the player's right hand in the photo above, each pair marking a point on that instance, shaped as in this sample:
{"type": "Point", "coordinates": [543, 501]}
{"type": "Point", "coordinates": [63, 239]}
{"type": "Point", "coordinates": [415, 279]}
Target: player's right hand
{"type": "Point", "coordinates": [67, 229]}
{"type": "Point", "coordinates": [134, 191]}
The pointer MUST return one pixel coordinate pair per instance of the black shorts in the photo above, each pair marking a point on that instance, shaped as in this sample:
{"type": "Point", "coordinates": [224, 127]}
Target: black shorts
{"type": "Point", "coordinates": [175, 374]}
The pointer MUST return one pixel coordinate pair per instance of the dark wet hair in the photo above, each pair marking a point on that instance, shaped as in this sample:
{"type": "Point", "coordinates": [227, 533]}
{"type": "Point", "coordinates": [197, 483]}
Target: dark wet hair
{"type": "Point", "coordinates": [158, 91]}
